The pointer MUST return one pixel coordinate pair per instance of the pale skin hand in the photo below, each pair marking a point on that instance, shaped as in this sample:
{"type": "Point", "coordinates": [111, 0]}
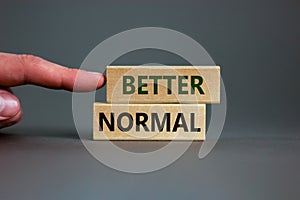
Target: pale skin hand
{"type": "Point", "coordinates": [18, 70]}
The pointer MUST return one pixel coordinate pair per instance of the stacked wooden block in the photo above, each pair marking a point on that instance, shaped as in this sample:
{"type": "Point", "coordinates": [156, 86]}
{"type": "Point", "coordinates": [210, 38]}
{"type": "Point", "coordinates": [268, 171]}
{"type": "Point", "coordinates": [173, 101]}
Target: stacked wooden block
{"type": "Point", "coordinates": [156, 102]}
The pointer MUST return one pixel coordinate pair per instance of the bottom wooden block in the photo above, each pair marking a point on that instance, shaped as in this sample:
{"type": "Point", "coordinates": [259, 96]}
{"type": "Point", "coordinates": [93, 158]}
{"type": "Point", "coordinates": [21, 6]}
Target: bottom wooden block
{"type": "Point", "coordinates": [149, 121]}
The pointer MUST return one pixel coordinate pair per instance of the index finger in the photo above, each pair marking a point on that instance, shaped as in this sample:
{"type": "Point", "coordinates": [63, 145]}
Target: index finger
{"type": "Point", "coordinates": [27, 69]}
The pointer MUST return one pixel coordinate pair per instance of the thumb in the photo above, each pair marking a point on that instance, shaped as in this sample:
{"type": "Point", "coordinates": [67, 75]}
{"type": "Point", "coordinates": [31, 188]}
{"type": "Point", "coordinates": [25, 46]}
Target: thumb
{"type": "Point", "coordinates": [9, 105]}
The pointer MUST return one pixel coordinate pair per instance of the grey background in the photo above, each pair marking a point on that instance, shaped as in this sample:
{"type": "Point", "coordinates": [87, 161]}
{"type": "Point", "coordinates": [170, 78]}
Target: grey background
{"type": "Point", "coordinates": [256, 43]}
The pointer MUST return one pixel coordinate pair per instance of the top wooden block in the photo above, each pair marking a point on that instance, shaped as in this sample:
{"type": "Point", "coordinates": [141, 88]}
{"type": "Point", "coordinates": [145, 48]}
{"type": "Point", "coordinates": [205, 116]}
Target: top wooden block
{"type": "Point", "coordinates": [163, 84]}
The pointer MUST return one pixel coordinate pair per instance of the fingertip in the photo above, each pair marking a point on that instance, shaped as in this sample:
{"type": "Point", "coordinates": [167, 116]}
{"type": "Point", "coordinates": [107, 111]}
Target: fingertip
{"type": "Point", "coordinates": [102, 81]}
{"type": "Point", "coordinates": [88, 81]}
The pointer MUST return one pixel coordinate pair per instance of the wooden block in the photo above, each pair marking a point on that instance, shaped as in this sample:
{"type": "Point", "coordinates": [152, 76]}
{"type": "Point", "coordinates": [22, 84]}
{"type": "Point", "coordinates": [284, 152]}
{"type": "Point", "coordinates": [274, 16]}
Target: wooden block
{"type": "Point", "coordinates": [149, 121]}
{"type": "Point", "coordinates": [163, 84]}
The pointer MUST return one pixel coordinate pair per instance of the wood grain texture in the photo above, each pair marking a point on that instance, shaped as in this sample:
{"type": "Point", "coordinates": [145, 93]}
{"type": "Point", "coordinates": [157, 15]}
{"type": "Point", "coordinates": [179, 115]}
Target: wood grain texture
{"type": "Point", "coordinates": [186, 121]}
{"type": "Point", "coordinates": [123, 84]}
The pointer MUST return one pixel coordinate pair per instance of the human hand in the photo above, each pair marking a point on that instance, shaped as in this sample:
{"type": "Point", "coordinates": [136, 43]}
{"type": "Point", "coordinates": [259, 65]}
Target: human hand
{"type": "Point", "coordinates": [18, 70]}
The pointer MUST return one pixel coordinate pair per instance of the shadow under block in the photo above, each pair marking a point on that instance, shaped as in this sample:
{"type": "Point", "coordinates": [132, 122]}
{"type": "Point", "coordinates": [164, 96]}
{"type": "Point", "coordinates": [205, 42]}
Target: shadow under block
{"type": "Point", "coordinates": [149, 121]}
{"type": "Point", "coordinates": [163, 84]}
